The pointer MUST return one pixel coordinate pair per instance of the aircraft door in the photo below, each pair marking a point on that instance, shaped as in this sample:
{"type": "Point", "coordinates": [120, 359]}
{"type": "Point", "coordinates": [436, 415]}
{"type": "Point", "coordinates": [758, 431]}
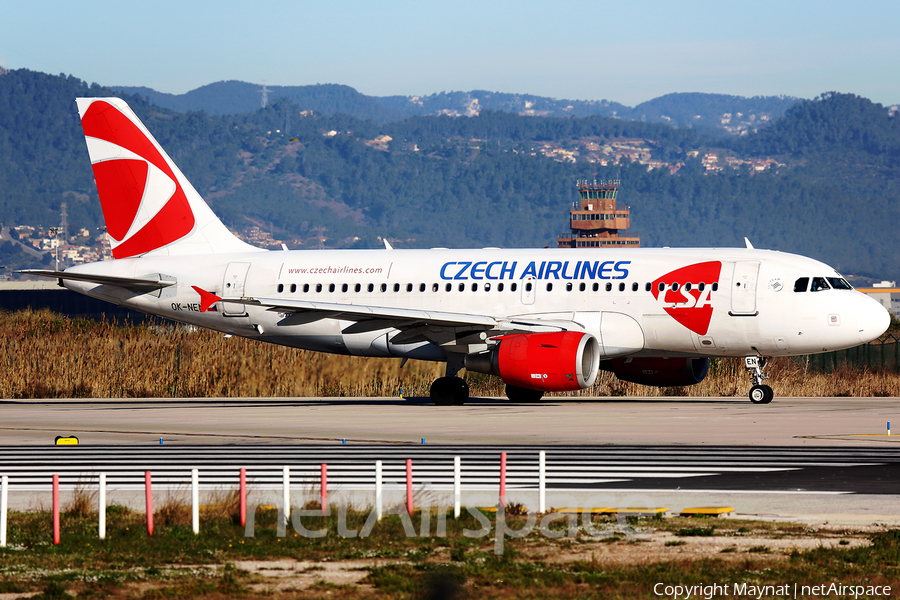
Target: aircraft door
{"type": "Point", "coordinates": [529, 286]}
{"type": "Point", "coordinates": [743, 288]}
{"type": "Point", "coordinates": [233, 287]}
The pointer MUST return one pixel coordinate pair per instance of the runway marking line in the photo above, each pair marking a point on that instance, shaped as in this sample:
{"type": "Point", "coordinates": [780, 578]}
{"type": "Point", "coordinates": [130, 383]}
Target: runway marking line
{"type": "Point", "coordinates": [221, 435]}
{"type": "Point", "coordinates": [838, 436]}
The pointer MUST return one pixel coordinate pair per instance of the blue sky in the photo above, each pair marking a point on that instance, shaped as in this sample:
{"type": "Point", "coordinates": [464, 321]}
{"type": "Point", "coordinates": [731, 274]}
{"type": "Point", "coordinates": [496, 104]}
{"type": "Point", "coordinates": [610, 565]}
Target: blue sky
{"type": "Point", "coordinates": [628, 51]}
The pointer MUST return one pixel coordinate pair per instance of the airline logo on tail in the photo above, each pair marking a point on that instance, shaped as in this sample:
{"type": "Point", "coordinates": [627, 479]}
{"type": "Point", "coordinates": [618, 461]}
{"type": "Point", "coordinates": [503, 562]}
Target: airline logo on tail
{"type": "Point", "coordinates": [143, 203]}
{"type": "Point", "coordinates": [683, 298]}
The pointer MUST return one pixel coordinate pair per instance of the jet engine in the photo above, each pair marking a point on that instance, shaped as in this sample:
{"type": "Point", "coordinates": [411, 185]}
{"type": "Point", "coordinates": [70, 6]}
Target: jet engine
{"type": "Point", "coordinates": [558, 361]}
{"type": "Point", "coordinates": [659, 372]}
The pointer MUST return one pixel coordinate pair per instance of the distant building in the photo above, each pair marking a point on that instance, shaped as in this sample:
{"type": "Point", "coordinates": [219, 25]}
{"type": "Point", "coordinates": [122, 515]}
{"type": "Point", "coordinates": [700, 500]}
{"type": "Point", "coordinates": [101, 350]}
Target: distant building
{"type": "Point", "coordinates": [885, 293]}
{"type": "Point", "coordinates": [595, 219]}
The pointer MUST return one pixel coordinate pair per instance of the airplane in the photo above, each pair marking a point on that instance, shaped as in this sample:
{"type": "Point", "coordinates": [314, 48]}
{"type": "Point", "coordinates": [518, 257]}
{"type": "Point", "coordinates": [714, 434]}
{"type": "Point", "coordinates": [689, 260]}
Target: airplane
{"type": "Point", "coordinates": [543, 320]}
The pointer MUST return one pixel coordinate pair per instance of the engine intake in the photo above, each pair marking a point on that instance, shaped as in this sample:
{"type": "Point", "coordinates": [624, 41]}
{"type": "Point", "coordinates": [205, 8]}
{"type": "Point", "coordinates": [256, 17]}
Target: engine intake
{"type": "Point", "coordinates": [659, 372]}
{"type": "Point", "coordinates": [558, 361]}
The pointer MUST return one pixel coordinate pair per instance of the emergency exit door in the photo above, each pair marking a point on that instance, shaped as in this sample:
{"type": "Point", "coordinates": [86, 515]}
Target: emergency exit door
{"type": "Point", "coordinates": [743, 288]}
{"type": "Point", "coordinates": [233, 287]}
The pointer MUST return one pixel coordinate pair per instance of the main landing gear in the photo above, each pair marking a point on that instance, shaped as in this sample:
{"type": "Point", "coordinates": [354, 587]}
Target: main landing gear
{"type": "Point", "coordinates": [451, 390]}
{"type": "Point", "coordinates": [759, 393]}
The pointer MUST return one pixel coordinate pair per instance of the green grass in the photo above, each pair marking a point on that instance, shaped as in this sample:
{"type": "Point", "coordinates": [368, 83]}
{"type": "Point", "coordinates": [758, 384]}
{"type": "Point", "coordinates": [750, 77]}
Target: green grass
{"type": "Point", "coordinates": [175, 563]}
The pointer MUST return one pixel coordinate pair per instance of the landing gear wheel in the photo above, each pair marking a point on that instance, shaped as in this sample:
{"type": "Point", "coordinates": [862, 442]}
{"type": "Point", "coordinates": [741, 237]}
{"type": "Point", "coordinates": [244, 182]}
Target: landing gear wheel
{"type": "Point", "coordinates": [449, 391]}
{"type": "Point", "coordinates": [517, 394]}
{"type": "Point", "coordinates": [761, 394]}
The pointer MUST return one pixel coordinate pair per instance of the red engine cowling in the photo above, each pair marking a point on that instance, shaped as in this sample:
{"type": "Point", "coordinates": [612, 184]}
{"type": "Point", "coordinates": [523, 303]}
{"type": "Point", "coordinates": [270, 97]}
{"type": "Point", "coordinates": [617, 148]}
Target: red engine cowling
{"type": "Point", "coordinates": [551, 362]}
{"type": "Point", "coordinates": [659, 372]}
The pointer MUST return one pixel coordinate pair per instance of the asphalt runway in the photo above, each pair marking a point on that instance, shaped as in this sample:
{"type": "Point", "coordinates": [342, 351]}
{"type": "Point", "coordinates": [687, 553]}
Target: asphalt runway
{"type": "Point", "coordinates": [654, 421]}
{"type": "Point", "coordinates": [852, 476]}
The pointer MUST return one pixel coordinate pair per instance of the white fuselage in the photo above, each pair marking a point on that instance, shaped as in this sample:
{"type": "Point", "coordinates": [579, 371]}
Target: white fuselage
{"type": "Point", "coordinates": [747, 305]}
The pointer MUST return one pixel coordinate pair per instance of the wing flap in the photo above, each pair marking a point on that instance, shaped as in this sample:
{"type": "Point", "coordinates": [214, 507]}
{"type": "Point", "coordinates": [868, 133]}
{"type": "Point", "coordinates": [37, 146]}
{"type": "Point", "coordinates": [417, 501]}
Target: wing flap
{"type": "Point", "coordinates": [129, 283]}
{"type": "Point", "coordinates": [359, 312]}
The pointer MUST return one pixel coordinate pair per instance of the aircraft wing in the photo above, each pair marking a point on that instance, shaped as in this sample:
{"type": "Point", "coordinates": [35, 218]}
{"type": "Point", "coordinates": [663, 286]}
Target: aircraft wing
{"type": "Point", "coordinates": [415, 325]}
{"type": "Point", "coordinates": [129, 283]}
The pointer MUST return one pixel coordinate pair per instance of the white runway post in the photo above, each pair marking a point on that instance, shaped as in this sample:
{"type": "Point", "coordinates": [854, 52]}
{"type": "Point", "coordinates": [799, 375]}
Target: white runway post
{"type": "Point", "coordinates": [378, 490]}
{"type": "Point", "coordinates": [457, 484]}
{"type": "Point", "coordinates": [286, 495]}
{"type": "Point", "coordinates": [4, 503]}
{"type": "Point", "coordinates": [101, 507]}
{"type": "Point", "coordinates": [542, 482]}
{"type": "Point", "coordinates": [195, 500]}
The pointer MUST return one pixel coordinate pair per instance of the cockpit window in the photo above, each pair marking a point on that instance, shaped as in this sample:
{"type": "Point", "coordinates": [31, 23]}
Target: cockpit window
{"type": "Point", "coordinates": [801, 284]}
{"type": "Point", "coordinates": [818, 284]}
{"type": "Point", "coordinates": [839, 283]}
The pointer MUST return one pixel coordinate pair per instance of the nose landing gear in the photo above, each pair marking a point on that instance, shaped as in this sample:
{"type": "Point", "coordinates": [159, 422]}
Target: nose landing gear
{"type": "Point", "coordinates": [759, 393]}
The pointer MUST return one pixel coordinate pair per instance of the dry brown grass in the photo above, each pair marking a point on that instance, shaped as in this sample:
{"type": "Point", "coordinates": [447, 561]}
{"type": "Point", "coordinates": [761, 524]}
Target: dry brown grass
{"type": "Point", "coordinates": [223, 504]}
{"type": "Point", "coordinates": [84, 500]}
{"type": "Point", "coordinates": [48, 356]}
{"type": "Point", "coordinates": [175, 509]}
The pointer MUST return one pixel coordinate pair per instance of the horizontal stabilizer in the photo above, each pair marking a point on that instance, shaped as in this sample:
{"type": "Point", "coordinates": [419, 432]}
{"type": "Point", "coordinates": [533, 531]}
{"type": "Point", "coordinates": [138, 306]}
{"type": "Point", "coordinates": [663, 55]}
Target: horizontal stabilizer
{"type": "Point", "coordinates": [129, 283]}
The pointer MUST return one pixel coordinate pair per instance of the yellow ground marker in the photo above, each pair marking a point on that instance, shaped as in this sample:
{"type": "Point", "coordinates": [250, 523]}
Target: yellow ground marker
{"type": "Point", "coordinates": [633, 511]}
{"type": "Point", "coordinates": [707, 511]}
{"type": "Point", "coordinates": [69, 440]}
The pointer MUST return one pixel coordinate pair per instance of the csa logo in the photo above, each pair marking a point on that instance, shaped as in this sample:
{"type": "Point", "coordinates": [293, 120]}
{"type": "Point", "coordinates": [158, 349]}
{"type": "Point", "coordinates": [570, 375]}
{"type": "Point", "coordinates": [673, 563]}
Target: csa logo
{"type": "Point", "coordinates": [682, 297]}
{"type": "Point", "coordinates": [144, 205]}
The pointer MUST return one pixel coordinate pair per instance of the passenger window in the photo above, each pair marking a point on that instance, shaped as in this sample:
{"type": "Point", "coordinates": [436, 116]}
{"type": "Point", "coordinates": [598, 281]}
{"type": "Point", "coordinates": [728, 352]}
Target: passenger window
{"type": "Point", "coordinates": [549, 287]}
{"type": "Point", "coordinates": [581, 287]}
{"type": "Point", "coordinates": [474, 287]}
{"type": "Point", "coordinates": [514, 286]}
{"type": "Point", "coordinates": [527, 287]}
{"type": "Point", "coordinates": [596, 286]}
{"type": "Point", "coordinates": [647, 286]}
{"type": "Point", "coordinates": [701, 287]}
{"type": "Point", "coordinates": [716, 287]}
{"type": "Point", "coordinates": [409, 287]}
{"type": "Point", "coordinates": [621, 287]}
{"type": "Point", "coordinates": [344, 288]}
{"type": "Point", "coordinates": [318, 288]}
{"type": "Point", "coordinates": [435, 287]}
{"type": "Point", "coordinates": [487, 287]}
{"type": "Point", "coordinates": [634, 286]}
{"type": "Point", "coordinates": [331, 287]}
{"type": "Point", "coordinates": [801, 284]}
{"type": "Point", "coordinates": [569, 287]}
{"type": "Point", "coordinates": [462, 287]}
{"type": "Point", "coordinates": [396, 287]}
{"type": "Point", "coordinates": [839, 283]}
{"type": "Point", "coordinates": [608, 287]}
{"type": "Point", "coordinates": [449, 287]}
{"type": "Point", "coordinates": [357, 288]}
{"type": "Point", "coordinates": [687, 287]}
{"type": "Point", "coordinates": [500, 287]}
{"type": "Point", "coordinates": [662, 286]}
{"type": "Point", "coordinates": [383, 287]}
{"type": "Point", "coordinates": [371, 287]}
{"type": "Point", "coordinates": [818, 284]}
{"type": "Point", "coordinates": [421, 287]}
{"type": "Point", "coordinates": [674, 287]}
{"type": "Point", "coordinates": [280, 287]}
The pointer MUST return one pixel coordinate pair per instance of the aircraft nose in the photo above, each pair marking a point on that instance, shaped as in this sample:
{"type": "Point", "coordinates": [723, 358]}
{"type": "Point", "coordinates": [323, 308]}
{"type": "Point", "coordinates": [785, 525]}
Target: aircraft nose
{"type": "Point", "coordinates": [872, 320]}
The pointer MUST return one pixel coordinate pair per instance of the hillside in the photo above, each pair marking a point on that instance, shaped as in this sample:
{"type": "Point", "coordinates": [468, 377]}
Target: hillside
{"type": "Point", "coordinates": [498, 179]}
{"type": "Point", "coordinates": [712, 112]}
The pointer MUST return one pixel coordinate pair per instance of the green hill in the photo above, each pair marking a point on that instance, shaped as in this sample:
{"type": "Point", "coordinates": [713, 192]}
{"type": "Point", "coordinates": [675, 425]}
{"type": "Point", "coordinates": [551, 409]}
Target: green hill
{"type": "Point", "coordinates": [495, 179]}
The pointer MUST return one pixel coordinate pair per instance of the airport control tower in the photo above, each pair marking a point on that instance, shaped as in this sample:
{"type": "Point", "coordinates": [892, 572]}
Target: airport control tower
{"type": "Point", "coordinates": [595, 220]}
